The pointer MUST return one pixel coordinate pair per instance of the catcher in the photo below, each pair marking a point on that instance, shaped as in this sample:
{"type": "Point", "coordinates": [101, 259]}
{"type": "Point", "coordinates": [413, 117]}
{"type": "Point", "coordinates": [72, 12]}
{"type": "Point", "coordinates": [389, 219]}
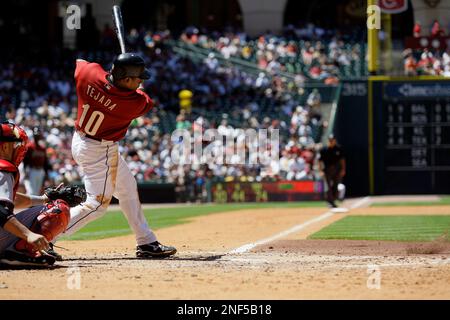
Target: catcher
{"type": "Point", "coordinates": [25, 237]}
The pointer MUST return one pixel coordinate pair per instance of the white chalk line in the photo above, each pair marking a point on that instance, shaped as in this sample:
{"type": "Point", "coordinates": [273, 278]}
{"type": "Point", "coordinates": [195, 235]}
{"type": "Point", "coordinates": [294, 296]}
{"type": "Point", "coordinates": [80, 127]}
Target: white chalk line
{"type": "Point", "coordinates": [404, 264]}
{"type": "Point", "coordinates": [344, 265]}
{"type": "Point", "coordinates": [294, 229]}
{"type": "Point", "coordinates": [360, 202]}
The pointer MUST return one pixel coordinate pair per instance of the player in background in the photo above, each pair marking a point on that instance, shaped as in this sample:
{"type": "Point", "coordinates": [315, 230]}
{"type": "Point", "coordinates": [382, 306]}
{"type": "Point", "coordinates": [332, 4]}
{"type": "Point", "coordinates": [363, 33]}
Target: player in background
{"type": "Point", "coordinates": [36, 164]}
{"type": "Point", "coordinates": [332, 162]}
{"type": "Point", "coordinates": [24, 237]}
{"type": "Point", "coordinates": [107, 103]}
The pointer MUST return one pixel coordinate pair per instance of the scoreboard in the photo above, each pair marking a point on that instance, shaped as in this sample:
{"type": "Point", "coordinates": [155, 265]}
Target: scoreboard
{"type": "Point", "coordinates": [412, 143]}
{"type": "Point", "coordinates": [418, 136]}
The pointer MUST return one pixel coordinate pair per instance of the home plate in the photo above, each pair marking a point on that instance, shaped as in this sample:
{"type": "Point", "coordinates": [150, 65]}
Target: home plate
{"type": "Point", "coordinates": [339, 210]}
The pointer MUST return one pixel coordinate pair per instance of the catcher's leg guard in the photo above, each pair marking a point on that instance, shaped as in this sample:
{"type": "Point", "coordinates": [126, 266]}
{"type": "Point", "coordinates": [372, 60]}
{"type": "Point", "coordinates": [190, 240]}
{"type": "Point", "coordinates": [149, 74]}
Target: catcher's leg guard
{"type": "Point", "coordinates": [52, 221]}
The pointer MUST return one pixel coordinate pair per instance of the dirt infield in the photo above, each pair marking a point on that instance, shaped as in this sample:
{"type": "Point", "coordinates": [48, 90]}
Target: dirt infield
{"type": "Point", "coordinates": [287, 268]}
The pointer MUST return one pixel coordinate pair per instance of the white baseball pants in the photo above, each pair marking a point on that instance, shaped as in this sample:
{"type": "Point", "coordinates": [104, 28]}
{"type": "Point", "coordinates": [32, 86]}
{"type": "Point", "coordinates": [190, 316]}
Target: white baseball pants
{"type": "Point", "coordinates": [35, 180]}
{"type": "Point", "coordinates": [106, 174]}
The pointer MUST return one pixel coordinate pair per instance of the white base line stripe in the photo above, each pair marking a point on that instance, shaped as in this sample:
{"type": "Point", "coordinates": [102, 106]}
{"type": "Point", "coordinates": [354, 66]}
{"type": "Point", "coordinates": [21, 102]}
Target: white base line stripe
{"type": "Point", "coordinates": [294, 229]}
{"type": "Point", "coordinates": [360, 203]}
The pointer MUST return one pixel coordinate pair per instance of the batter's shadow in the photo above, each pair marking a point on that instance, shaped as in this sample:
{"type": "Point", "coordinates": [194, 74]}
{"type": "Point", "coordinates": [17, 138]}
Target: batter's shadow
{"type": "Point", "coordinates": [94, 261]}
{"type": "Point", "coordinates": [173, 258]}
{"type": "Point", "coordinates": [27, 268]}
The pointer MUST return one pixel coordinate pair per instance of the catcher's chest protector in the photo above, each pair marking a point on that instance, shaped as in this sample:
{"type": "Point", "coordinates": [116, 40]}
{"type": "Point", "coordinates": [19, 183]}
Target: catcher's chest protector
{"type": "Point", "coordinates": [52, 221]}
{"type": "Point", "coordinates": [7, 166]}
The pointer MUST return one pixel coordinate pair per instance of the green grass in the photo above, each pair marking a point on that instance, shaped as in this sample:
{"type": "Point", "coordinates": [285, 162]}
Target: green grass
{"type": "Point", "coordinates": [395, 228]}
{"type": "Point", "coordinates": [114, 224]}
{"type": "Point", "coordinates": [441, 202]}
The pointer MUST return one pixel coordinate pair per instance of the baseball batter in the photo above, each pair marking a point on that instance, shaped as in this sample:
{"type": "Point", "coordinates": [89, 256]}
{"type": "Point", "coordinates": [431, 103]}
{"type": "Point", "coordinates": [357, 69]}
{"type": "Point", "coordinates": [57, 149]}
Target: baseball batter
{"type": "Point", "coordinates": [107, 103]}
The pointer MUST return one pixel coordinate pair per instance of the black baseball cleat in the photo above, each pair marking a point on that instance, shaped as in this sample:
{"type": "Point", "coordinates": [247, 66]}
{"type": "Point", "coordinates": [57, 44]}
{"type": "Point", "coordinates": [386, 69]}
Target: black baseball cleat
{"type": "Point", "coordinates": [13, 258]}
{"type": "Point", "coordinates": [332, 204]}
{"type": "Point", "coordinates": [53, 253]}
{"type": "Point", "coordinates": [154, 250]}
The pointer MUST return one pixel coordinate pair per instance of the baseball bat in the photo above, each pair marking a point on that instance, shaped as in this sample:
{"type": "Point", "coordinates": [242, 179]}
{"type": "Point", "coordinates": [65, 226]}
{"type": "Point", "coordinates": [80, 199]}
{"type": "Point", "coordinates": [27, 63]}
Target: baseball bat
{"type": "Point", "coordinates": [118, 24]}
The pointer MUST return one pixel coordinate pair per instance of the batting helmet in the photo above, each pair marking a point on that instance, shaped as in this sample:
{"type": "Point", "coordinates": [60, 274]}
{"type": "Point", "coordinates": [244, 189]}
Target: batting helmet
{"type": "Point", "coordinates": [9, 132]}
{"type": "Point", "coordinates": [129, 65]}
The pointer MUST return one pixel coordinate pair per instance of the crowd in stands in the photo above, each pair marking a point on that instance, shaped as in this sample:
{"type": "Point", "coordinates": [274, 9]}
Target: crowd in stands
{"type": "Point", "coordinates": [435, 62]}
{"type": "Point", "coordinates": [314, 59]}
{"type": "Point", "coordinates": [44, 97]}
{"type": "Point", "coordinates": [426, 62]}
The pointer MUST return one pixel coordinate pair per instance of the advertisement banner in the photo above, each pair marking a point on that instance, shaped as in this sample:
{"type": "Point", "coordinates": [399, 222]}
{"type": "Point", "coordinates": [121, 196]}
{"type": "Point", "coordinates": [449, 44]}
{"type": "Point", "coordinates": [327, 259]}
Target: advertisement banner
{"type": "Point", "coordinates": [267, 191]}
{"type": "Point", "coordinates": [418, 89]}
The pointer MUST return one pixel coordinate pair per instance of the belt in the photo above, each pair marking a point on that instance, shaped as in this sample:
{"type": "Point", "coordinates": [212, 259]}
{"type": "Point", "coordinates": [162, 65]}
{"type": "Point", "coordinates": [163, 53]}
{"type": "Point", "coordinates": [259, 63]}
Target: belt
{"type": "Point", "coordinates": [89, 136]}
{"type": "Point", "coordinates": [93, 138]}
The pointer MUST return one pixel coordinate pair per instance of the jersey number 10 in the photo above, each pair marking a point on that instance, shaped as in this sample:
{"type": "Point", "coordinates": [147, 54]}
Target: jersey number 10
{"type": "Point", "coordinates": [94, 122]}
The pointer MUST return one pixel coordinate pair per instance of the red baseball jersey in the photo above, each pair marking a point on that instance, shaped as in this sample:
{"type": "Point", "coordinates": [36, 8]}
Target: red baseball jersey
{"type": "Point", "coordinates": [105, 111]}
{"type": "Point", "coordinates": [36, 156]}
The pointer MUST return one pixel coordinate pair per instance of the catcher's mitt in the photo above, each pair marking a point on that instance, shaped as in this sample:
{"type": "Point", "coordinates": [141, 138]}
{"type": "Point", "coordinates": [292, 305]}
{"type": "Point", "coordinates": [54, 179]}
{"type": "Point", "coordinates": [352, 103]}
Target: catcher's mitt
{"type": "Point", "coordinates": [73, 195]}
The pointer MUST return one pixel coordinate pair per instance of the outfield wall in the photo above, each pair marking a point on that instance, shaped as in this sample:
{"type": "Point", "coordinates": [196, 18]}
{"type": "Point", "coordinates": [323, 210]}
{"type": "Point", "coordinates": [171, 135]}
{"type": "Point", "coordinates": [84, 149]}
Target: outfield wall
{"type": "Point", "coordinates": [284, 191]}
{"type": "Point", "coordinates": [351, 132]}
{"type": "Point", "coordinates": [233, 192]}
{"type": "Point", "coordinates": [155, 193]}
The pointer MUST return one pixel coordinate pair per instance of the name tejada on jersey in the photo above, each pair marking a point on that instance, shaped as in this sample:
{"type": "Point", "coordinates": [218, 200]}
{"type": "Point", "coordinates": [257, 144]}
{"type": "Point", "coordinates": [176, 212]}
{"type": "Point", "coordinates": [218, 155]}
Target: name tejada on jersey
{"type": "Point", "coordinates": [99, 97]}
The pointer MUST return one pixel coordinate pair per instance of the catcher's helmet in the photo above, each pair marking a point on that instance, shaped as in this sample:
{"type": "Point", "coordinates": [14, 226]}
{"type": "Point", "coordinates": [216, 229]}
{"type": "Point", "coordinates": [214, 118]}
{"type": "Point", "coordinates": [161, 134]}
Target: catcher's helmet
{"type": "Point", "coordinates": [9, 132]}
{"type": "Point", "coordinates": [129, 65]}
